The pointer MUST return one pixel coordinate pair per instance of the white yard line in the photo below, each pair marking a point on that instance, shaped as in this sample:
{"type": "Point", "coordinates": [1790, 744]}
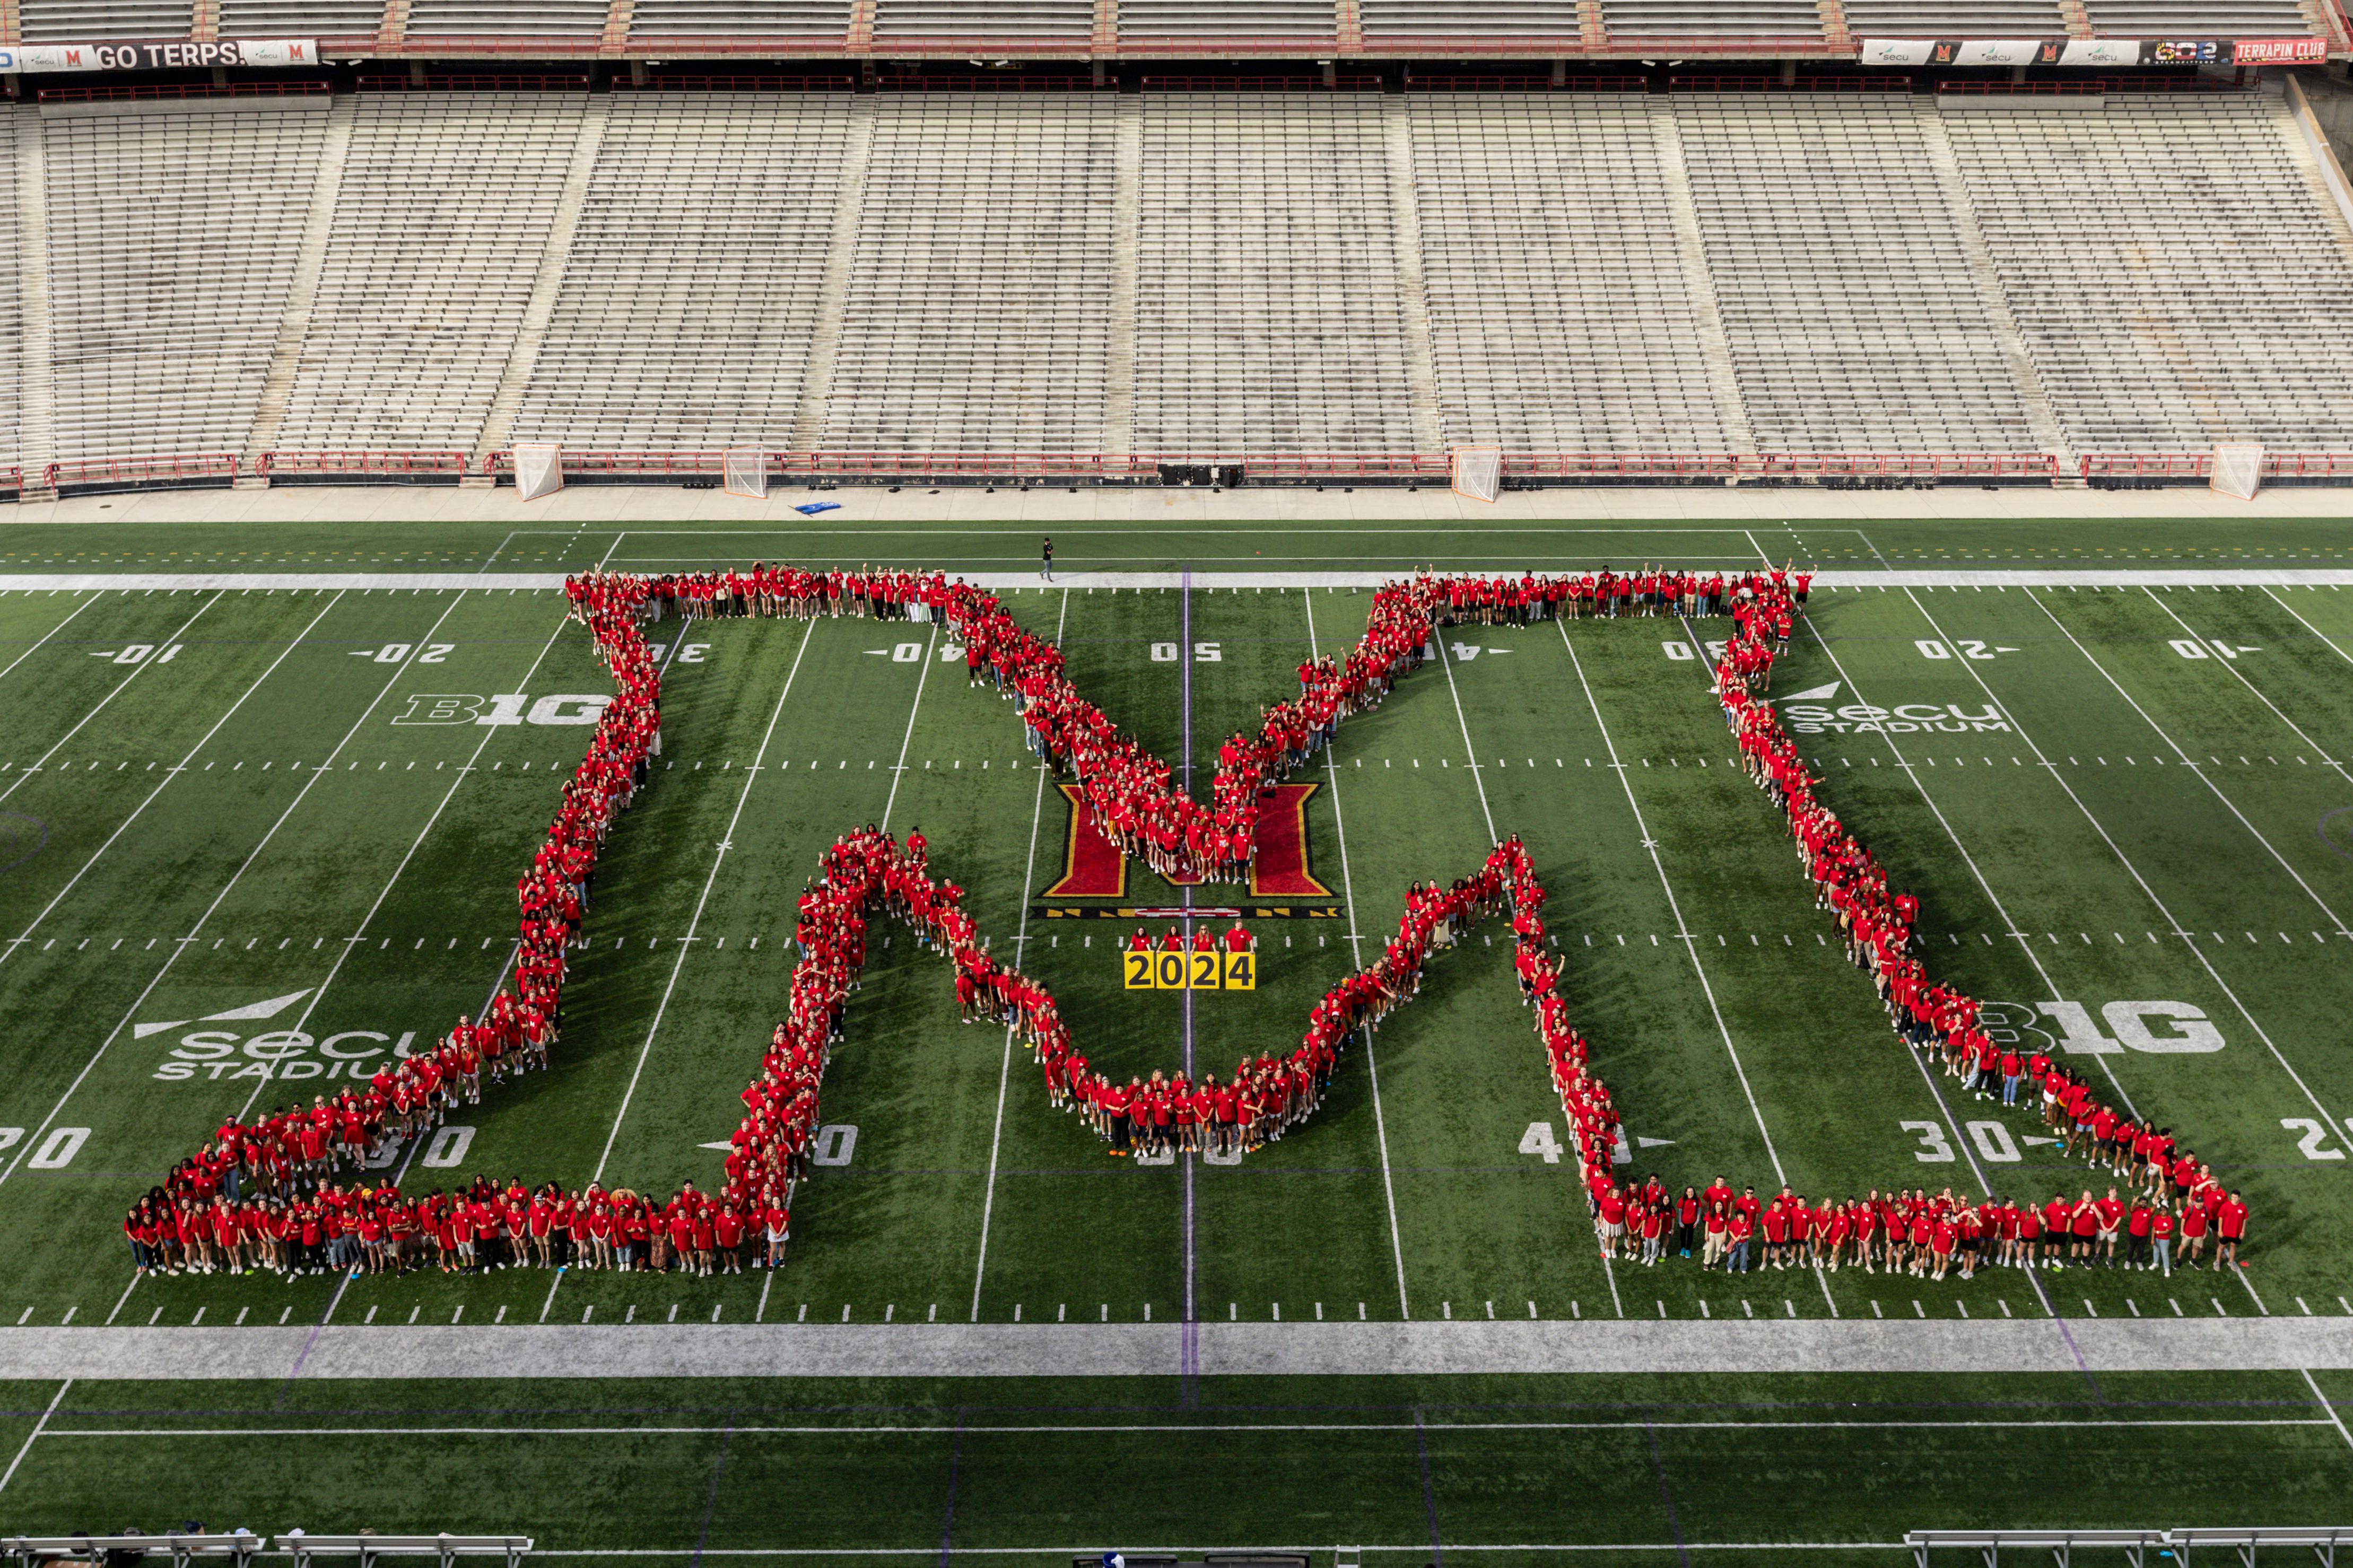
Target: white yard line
{"type": "Point", "coordinates": [930, 651]}
{"type": "Point", "coordinates": [2008, 922]}
{"type": "Point", "coordinates": [694, 926]}
{"type": "Point", "coordinates": [2240, 676]}
{"type": "Point", "coordinates": [2326, 641]}
{"type": "Point", "coordinates": [1674, 907]}
{"type": "Point", "coordinates": [359, 932]}
{"type": "Point", "coordinates": [34, 1435]}
{"type": "Point", "coordinates": [53, 631]}
{"type": "Point", "coordinates": [1184, 1429]}
{"type": "Point", "coordinates": [182, 766]}
{"type": "Point", "coordinates": [1935, 1091]}
{"type": "Point", "coordinates": [1356, 959]}
{"type": "Point", "coordinates": [2197, 768]}
{"type": "Point", "coordinates": [1004, 1067]}
{"type": "Point", "coordinates": [2171, 924]}
{"type": "Point", "coordinates": [2326, 1408]}
{"type": "Point", "coordinates": [183, 944]}
{"type": "Point", "coordinates": [996, 582]}
{"type": "Point", "coordinates": [675, 1352]}
{"type": "Point", "coordinates": [141, 667]}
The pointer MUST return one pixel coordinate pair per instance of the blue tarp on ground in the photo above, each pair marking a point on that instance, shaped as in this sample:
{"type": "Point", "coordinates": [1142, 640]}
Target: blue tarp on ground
{"type": "Point", "coordinates": [811, 508]}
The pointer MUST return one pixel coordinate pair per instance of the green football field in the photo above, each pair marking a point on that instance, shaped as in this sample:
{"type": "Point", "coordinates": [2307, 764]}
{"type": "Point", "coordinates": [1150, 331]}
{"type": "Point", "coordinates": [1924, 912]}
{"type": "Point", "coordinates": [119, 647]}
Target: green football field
{"type": "Point", "coordinates": [256, 837]}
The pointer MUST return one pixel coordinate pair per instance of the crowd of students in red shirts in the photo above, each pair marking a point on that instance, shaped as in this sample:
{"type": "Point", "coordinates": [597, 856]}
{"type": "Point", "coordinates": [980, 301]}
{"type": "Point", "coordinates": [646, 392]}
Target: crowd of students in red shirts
{"type": "Point", "coordinates": [294, 1190]}
{"type": "Point", "coordinates": [2173, 1200]}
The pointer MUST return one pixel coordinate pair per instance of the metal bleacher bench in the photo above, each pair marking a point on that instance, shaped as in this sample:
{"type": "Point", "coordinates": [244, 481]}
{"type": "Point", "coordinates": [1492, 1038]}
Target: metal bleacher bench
{"type": "Point", "coordinates": [1208, 1560]}
{"type": "Point", "coordinates": [2136, 1544]}
{"type": "Point", "coordinates": [30, 1550]}
{"type": "Point", "coordinates": [368, 1548]}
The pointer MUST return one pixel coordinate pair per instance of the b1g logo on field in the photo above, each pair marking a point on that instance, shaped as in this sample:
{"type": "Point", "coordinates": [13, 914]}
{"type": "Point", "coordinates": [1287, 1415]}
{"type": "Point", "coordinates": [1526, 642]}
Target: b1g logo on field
{"type": "Point", "coordinates": [2158, 1028]}
{"type": "Point", "coordinates": [504, 707]}
{"type": "Point", "coordinates": [209, 1055]}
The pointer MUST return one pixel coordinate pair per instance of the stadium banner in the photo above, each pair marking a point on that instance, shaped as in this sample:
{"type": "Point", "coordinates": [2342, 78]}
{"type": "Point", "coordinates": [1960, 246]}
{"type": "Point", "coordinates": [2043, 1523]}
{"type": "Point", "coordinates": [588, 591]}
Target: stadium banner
{"type": "Point", "coordinates": [135, 56]}
{"type": "Point", "coordinates": [2092, 51]}
{"type": "Point", "coordinates": [2279, 51]}
{"type": "Point", "coordinates": [2101, 52]}
{"type": "Point", "coordinates": [1997, 52]}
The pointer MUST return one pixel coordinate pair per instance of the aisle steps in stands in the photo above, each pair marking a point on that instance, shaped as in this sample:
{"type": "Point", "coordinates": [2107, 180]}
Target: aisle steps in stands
{"type": "Point", "coordinates": [498, 428]}
{"type": "Point", "coordinates": [301, 293]}
{"type": "Point", "coordinates": [833, 294]}
{"type": "Point", "coordinates": [12, 326]}
{"type": "Point", "coordinates": [36, 391]}
{"type": "Point", "coordinates": [1127, 221]}
{"type": "Point", "coordinates": [2040, 415]}
{"type": "Point", "coordinates": [1413, 295]}
{"type": "Point", "coordinates": [1707, 314]}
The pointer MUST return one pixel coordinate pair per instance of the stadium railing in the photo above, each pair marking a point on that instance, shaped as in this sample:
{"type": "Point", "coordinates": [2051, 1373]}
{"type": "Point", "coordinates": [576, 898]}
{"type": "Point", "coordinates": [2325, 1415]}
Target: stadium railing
{"type": "Point", "coordinates": [187, 467]}
{"type": "Point", "coordinates": [2244, 1543]}
{"type": "Point", "coordinates": [2031, 88]}
{"type": "Point", "coordinates": [368, 1548]}
{"type": "Point", "coordinates": [31, 1550]}
{"type": "Point", "coordinates": [181, 89]}
{"type": "Point", "coordinates": [378, 465]}
{"type": "Point", "coordinates": [2191, 467]}
{"type": "Point", "coordinates": [2137, 1545]}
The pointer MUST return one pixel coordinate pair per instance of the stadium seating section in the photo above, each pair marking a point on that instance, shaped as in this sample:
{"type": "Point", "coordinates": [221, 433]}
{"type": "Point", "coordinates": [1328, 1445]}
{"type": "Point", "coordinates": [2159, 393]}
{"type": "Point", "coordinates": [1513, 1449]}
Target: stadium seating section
{"type": "Point", "coordinates": [1169, 275]}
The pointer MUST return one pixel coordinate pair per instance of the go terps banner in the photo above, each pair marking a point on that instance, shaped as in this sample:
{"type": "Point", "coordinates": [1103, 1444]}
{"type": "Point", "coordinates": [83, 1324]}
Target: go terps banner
{"type": "Point", "coordinates": [132, 56]}
{"type": "Point", "coordinates": [2093, 51]}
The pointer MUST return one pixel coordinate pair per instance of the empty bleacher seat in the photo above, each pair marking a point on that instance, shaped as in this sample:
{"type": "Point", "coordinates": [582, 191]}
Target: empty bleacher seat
{"type": "Point", "coordinates": [1473, 19]}
{"type": "Point", "coordinates": [1071, 20]}
{"type": "Point", "coordinates": [1955, 19]}
{"type": "Point", "coordinates": [173, 237]}
{"type": "Point", "coordinates": [827, 19]}
{"type": "Point", "coordinates": [1267, 305]}
{"type": "Point", "coordinates": [440, 229]}
{"type": "Point", "coordinates": [2203, 18]}
{"type": "Point", "coordinates": [1560, 307]}
{"type": "Point", "coordinates": [508, 19]}
{"type": "Point", "coordinates": [1211, 19]}
{"type": "Point", "coordinates": [978, 311]}
{"type": "Point", "coordinates": [301, 18]}
{"type": "Point", "coordinates": [1796, 19]}
{"type": "Point", "coordinates": [12, 325]}
{"type": "Point", "coordinates": [73, 21]}
{"type": "Point", "coordinates": [682, 323]}
{"type": "Point", "coordinates": [2178, 275]}
{"type": "Point", "coordinates": [1847, 301]}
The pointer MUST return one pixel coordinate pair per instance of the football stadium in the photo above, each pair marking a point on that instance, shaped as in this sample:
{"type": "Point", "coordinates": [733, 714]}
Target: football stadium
{"type": "Point", "coordinates": [1259, 784]}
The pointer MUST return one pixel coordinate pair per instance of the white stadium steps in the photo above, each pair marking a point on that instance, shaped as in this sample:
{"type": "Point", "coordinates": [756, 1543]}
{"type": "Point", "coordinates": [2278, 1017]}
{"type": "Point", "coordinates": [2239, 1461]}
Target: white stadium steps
{"type": "Point", "coordinates": [440, 230]}
{"type": "Point", "coordinates": [826, 19]}
{"type": "Point", "coordinates": [92, 21]}
{"type": "Point", "coordinates": [1200, 276]}
{"type": "Point", "coordinates": [979, 289]}
{"type": "Point", "coordinates": [1852, 318]}
{"type": "Point", "coordinates": [174, 230]}
{"type": "Point", "coordinates": [1563, 324]}
{"type": "Point", "coordinates": [1267, 316]}
{"type": "Point", "coordinates": [684, 324]}
{"type": "Point", "coordinates": [2202, 297]}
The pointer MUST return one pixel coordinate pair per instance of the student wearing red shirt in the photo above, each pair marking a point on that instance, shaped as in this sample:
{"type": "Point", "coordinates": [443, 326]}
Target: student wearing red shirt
{"type": "Point", "coordinates": [2160, 1235]}
{"type": "Point", "coordinates": [2193, 1232]}
{"type": "Point", "coordinates": [2230, 1229]}
{"type": "Point", "coordinates": [1686, 1221]}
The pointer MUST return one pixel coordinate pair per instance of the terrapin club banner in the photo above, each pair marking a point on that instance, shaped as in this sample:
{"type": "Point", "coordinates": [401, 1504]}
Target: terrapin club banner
{"type": "Point", "coordinates": [2092, 51]}
{"type": "Point", "coordinates": [159, 55]}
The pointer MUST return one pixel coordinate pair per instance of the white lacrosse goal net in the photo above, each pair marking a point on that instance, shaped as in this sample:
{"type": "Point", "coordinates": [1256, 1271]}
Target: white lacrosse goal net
{"type": "Point", "coordinates": [2237, 468]}
{"type": "Point", "coordinates": [538, 468]}
{"type": "Point", "coordinates": [746, 472]}
{"type": "Point", "coordinates": [1478, 471]}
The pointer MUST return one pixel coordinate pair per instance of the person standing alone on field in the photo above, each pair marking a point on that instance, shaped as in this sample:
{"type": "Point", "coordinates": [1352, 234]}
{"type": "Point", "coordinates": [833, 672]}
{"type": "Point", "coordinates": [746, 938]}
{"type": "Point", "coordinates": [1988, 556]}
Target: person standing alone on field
{"type": "Point", "coordinates": [1046, 561]}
